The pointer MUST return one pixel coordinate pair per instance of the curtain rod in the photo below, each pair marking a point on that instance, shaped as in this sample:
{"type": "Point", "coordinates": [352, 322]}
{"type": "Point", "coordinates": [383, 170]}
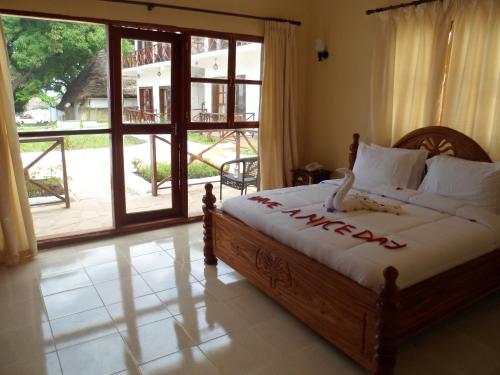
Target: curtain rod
{"type": "Point", "coordinates": [402, 5]}
{"type": "Point", "coordinates": [151, 6]}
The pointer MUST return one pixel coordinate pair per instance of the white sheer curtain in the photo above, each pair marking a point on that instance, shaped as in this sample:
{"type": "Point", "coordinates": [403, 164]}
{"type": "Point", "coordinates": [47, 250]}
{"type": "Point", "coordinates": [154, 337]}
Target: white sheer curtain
{"type": "Point", "coordinates": [471, 97]}
{"type": "Point", "coordinates": [278, 115]}
{"type": "Point", "coordinates": [408, 66]}
{"type": "Point", "coordinates": [438, 64]}
{"type": "Point", "coordinates": [17, 236]}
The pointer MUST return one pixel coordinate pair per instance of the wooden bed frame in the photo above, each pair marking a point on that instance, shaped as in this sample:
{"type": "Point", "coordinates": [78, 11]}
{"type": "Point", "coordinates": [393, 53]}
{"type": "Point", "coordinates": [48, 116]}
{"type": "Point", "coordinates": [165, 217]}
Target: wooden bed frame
{"type": "Point", "coordinates": [365, 324]}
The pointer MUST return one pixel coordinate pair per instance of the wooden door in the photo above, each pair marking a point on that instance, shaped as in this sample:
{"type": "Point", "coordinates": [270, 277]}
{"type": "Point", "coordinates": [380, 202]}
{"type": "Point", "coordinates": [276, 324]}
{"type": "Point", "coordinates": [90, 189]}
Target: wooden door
{"type": "Point", "coordinates": [146, 99]}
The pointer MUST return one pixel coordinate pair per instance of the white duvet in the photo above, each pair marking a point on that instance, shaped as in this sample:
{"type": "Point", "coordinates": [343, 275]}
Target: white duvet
{"type": "Point", "coordinates": [432, 235]}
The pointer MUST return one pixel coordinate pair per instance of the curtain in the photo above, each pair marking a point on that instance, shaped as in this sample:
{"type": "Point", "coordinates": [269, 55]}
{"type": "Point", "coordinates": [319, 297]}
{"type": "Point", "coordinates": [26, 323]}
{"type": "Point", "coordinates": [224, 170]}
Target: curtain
{"type": "Point", "coordinates": [408, 65]}
{"type": "Point", "coordinates": [17, 235]}
{"type": "Point", "coordinates": [278, 114]}
{"type": "Point", "coordinates": [471, 98]}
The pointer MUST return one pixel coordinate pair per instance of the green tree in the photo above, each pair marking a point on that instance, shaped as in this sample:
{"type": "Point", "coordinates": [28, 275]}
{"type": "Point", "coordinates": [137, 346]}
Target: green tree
{"type": "Point", "coordinates": [47, 55]}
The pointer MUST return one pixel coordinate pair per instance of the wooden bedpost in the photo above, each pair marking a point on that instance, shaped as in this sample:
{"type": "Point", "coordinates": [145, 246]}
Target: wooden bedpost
{"type": "Point", "coordinates": [386, 336]}
{"type": "Point", "coordinates": [353, 150]}
{"type": "Point", "coordinates": [208, 205]}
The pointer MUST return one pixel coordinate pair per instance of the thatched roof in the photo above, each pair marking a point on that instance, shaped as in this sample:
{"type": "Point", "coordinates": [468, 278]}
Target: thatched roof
{"type": "Point", "coordinates": [92, 82]}
{"type": "Point", "coordinates": [35, 103]}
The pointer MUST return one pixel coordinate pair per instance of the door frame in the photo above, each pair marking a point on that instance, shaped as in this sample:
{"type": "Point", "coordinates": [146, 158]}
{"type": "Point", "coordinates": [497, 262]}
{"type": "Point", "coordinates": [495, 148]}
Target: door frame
{"type": "Point", "coordinates": [119, 128]}
{"type": "Point", "coordinates": [142, 91]}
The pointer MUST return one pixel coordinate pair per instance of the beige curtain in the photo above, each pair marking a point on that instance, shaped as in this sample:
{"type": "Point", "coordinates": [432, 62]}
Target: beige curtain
{"type": "Point", "coordinates": [17, 236]}
{"type": "Point", "coordinates": [278, 114]}
{"type": "Point", "coordinates": [408, 66]}
{"type": "Point", "coordinates": [471, 100]}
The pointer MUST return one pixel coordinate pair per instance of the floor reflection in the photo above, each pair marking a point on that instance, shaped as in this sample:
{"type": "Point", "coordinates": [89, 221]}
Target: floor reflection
{"type": "Point", "coordinates": [147, 304]}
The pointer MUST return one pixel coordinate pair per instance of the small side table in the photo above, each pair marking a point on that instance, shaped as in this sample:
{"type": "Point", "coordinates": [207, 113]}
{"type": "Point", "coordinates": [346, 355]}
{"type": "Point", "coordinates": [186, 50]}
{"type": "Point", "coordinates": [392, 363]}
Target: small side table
{"type": "Point", "coordinates": [303, 177]}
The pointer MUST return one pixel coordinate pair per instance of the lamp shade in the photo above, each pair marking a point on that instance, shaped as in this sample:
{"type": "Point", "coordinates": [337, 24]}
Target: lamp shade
{"type": "Point", "coordinates": [319, 45]}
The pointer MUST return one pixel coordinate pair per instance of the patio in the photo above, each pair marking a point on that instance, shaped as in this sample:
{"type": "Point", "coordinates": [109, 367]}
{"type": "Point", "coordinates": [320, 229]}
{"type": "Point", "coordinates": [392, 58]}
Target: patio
{"type": "Point", "coordinates": [89, 182]}
{"type": "Point", "coordinates": [92, 214]}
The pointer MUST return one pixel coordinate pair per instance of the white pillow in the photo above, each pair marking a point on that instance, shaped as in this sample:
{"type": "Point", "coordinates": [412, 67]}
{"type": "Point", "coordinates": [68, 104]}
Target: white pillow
{"type": "Point", "coordinates": [476, 183]}
{"type": "Point", "coordinates": [376, 165]}
{"type": "Point", "coordinates": [420, 156]}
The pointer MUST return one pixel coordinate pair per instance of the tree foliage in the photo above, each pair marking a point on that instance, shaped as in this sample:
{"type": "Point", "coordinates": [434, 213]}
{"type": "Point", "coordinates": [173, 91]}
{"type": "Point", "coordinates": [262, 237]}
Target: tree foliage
{"type": "Point", "coordinates": [47, 55]}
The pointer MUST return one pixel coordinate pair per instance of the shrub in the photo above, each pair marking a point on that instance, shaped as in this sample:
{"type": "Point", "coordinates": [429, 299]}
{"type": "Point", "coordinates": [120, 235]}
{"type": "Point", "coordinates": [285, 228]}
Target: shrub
{"type": "Point", "coordinates": [53, 183]}
{"type": "Point", "coordinates": [196, 169]}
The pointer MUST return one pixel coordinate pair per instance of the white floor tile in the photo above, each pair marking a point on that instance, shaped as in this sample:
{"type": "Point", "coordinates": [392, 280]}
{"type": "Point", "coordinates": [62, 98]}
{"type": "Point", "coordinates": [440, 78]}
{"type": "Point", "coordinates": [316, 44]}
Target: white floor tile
{"type": "Point", "coordinates": [110, 271]}
{"type": "Point", "coordinates": [211, 321]}
{"type": "Point", "coordinates": [186, 297]}
{"type": "Point", "coordinates": [167, 278]}
{"type": "Point", "coordinates": [190, 361]}
{"type": "Point", "coordinates": [99, 255]}
{"type": "Point", "coordinates": [156, 340]}
{"type": "Point", "coordinates": [72, 302]}
{"type": "Point", "coordinates": [47, 364]}
{"type": "Point", "coordinates": [18, 344]}
{"type": "Point", "coordinates": [138, 312]}
{"type": "Point", "coordinates": [238, 352]}
{"type": "Point", "coordinates": [152, 261]}
{"type": "Point", "coordinates": [139, 249]}
{"type": "Point", "coordinates": [65, 281]}
{"type": "Point", "coordinates": [104, 356]}
{"type": "Point", "coordinates": [125, 288]}
{"type": "Point", "coordinates": [142, 305]}
{"type": "Point", "coordinates": [81, 327]}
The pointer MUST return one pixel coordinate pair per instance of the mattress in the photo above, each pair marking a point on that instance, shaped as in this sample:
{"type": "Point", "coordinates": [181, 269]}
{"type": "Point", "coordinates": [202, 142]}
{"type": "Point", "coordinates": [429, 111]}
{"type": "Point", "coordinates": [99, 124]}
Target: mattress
{"type": "Point", "coordinates": [431, 235]}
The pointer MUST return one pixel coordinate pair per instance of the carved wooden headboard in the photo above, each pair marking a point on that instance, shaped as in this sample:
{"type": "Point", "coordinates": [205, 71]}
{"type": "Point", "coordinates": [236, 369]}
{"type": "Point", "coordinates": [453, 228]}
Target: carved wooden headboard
{"type": "Point", "coordinates": [435, 139]}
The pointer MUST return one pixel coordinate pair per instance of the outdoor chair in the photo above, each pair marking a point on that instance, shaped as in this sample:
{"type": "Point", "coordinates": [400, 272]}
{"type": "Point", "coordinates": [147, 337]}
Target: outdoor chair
{"type": "Point", "coordinates": [246, 173]}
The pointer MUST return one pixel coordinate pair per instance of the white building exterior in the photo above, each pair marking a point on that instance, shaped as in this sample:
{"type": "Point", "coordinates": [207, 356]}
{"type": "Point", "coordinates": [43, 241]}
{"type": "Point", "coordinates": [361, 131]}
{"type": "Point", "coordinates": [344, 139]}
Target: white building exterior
{"type": "Point", "coordinates": [150, 65]}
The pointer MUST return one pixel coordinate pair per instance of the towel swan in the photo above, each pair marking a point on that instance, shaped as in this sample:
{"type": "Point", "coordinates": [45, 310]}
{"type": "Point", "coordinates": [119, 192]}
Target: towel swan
{"type": "Point", "coordinates": [339, 201]}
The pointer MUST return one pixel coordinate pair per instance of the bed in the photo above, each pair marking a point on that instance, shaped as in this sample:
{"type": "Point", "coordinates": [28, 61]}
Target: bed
{"type": "Point", "coordinates": [364, 320]}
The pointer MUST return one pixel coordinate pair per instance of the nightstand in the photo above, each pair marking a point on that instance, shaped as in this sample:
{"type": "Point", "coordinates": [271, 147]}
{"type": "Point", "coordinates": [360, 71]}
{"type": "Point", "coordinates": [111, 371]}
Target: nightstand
{"type": "Point", "coordinates": [303, 177]}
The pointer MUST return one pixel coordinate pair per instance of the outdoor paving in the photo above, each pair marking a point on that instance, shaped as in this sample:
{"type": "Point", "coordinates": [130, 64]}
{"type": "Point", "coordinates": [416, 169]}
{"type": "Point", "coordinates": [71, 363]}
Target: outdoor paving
{"type": "Point", "coordinates": [92, 214]}
{"type": "Point", "coordinates": [89, 180]}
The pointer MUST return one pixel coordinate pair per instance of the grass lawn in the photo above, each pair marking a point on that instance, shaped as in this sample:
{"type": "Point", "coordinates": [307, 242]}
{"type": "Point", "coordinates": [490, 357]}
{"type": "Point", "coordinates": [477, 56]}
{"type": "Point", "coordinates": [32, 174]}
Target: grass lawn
{"type": "Point", "coordinates": [81, 142]}
{"type": "Point", "coordinates": [203, 138]}
{"type": "Point", "coordinates": [53, 183]}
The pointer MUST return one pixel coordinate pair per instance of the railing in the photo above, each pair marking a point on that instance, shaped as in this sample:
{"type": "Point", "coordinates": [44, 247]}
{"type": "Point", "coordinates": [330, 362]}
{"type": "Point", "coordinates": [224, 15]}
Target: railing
{"type": "Point", "coordinates": [57, 141]}
{"type": "Point", "coordinates": [203, 116]}
{"type": "Point", "coordinates": [245, 116]}
{"type": "Point", "coordinates": [224, 135]}
{"type": "Point", "coordinates": [137, 116]}
{"type": "Point", "coordinates": [162, 51]}
{"type": "Point", "coordinates": [149, 55]}
{"type": "Point", "coordinates": [201, 45]}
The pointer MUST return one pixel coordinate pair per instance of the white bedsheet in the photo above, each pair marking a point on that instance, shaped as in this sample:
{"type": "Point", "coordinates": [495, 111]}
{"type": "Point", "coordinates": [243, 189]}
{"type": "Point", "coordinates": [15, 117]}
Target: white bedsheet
{"type": "Point", "coordinates": [437, 233]}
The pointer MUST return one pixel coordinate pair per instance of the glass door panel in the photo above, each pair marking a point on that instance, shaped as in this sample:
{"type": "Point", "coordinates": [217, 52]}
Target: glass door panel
{"type": "Point", "coordinates": [148, 172]}
{"type": "Point", "coordinates": [147, 98]}
{"type": "Point", "coordinates": [146, 72]}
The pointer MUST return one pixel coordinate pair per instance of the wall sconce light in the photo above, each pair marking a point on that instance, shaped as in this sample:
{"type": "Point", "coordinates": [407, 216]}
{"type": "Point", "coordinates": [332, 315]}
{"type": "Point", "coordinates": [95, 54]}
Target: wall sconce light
{"type": "Point", "coordinates": [158, 73]}
{"type": "Point", "coordinates": [320, 47]}
{"type": "Point", "coordinates": [215, 66]}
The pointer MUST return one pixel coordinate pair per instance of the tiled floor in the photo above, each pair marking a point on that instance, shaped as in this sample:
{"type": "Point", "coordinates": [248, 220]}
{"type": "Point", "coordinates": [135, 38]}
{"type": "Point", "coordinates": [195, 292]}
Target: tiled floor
{"type": "Point", "coordinates": [146, 304]}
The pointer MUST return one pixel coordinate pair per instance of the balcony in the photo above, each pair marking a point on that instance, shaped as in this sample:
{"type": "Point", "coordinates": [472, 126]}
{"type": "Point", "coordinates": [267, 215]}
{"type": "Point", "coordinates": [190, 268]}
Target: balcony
{"type": "Point", "coordinates": [160, 52]}
{"type": "Point", "coordinates": [151, 54]}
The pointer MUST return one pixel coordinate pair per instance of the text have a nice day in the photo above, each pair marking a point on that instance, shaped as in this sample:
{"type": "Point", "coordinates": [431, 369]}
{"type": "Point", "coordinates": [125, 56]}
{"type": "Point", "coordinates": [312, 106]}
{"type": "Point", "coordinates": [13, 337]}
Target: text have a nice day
{"type": "Point", "coordinates": [320, 221]}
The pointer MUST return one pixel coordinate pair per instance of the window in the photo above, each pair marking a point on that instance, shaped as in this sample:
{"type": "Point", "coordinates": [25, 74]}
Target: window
{"type": "Point", "coordinates": [62, 116]}
{"type": "Point", "coordinates": [223, 120]}
{"type": "Point", "coordinates": [120, 126]}
{"type": "Point", "coordinates": [225, 82]}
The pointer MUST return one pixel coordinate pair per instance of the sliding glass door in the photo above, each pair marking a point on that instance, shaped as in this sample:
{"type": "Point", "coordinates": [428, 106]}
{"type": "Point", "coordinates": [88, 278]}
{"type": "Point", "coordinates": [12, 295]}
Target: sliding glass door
{"type": "Point", "coordinates": [146, 102]}
{"type": "Point", "coordinates": [124, 125]}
